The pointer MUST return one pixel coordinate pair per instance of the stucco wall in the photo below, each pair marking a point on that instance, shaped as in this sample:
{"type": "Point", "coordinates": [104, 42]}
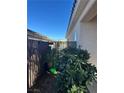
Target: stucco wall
{"type": "Point", "coordinates": [70, 37]}
{"type": "Point", "coordinates": [86, 33]}
{"type": "Point", "coordinates": [88, 38]}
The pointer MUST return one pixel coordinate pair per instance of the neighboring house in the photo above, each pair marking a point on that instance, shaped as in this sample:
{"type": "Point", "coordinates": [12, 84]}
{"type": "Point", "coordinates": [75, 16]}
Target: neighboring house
{"type": "Point", "coordinates": [36, 36]}
{"type": "Point", "coordinates": [82, 27]}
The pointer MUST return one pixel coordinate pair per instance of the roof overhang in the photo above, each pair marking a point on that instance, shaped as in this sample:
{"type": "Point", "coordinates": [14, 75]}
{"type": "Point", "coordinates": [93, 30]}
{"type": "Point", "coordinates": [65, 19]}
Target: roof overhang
{"type": "Point", "coordinates": [90, 12]}
{"type": "Point", "coordinates": [84, 10]}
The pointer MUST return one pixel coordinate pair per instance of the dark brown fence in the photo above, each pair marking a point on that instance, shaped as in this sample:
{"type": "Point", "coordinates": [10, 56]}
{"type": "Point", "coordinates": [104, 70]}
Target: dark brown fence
{"type": "Point", "coordinates": [36, 53]}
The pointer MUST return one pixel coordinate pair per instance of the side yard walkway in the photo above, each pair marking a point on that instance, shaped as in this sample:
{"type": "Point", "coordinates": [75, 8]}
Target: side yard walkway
{"type": "Point", "coordinates": [45, 84]}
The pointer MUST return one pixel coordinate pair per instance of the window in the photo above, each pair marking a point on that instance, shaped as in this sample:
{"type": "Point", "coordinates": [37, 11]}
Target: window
{"type": "Point", "coordinates": [75, 36]}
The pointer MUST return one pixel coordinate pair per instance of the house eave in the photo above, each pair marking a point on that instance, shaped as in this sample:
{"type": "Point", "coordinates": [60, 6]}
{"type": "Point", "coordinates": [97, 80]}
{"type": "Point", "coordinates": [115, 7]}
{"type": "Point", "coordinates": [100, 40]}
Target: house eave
{"type": "Point", "coordinates": [81, 7]}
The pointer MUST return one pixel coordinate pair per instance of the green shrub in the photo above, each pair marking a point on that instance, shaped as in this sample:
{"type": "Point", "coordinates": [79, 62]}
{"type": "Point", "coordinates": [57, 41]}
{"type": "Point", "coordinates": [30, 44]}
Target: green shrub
{"type": "Point", "coordinates": [76, 89]}
{"type": "Point", "coordinates": [75, 70]}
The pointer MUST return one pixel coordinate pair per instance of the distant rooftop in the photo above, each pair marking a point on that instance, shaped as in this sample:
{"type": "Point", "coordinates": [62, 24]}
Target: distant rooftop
{"type": "Point", "coordinates": [36, 36]}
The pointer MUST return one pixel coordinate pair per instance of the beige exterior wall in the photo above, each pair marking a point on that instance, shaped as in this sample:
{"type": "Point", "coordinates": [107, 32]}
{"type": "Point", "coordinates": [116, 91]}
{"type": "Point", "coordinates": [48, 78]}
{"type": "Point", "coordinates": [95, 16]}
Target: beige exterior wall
{"type": "Point", "coordinates": [88, 38]}
{"type": "Point", "coordinates": [85, 29]}
{"type": "Point", "coordinates": [70, 37]}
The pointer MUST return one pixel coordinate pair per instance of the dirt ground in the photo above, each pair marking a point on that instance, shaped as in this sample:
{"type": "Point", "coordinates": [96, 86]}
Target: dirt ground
{"type": "Point", "coordinates": [46, 84]}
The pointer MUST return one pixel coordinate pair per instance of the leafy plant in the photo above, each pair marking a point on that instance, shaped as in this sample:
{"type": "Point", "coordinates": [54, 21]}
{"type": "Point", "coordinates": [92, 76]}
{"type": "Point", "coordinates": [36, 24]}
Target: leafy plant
{"type": "Point", "coordinates": [76, 89]}
{"type": "Point", "coordinates": [75, 70]}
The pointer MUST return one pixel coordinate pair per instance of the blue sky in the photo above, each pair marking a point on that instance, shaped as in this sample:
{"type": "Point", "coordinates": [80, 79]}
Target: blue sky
{"type": "Point", "coordinates": [49, 17]}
